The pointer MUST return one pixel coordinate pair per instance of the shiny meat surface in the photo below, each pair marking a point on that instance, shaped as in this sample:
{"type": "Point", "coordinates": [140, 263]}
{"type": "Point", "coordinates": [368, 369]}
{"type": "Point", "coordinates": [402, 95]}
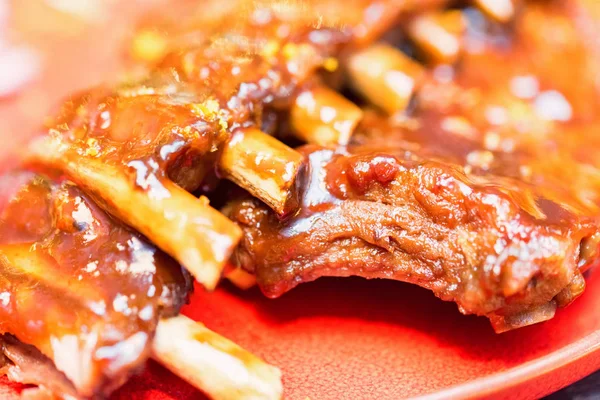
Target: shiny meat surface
{"type": "Point", "coordinates": [84, 290]}
{"type": "Point", "coordinates": [392, 215]}
{"type": "Point", "coordinates": [480, 182]}
{"type": "Point", "coordinates": [166, 131]}
{"type": "Point", "coordinates": [486, 191]}
{"type": "Point", "coordinates": [104, 287]}
{"type": "Point", "coordinates": [216, 77]}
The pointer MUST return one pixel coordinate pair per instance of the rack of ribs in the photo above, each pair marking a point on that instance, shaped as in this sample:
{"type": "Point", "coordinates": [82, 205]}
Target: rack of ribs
{"type": "Point", "coordinates": [445, 145]}
{"type": "Point", "coordinates": [486, 191]}
{"type": "Point", "coordinates": [85, 301]}
{"type": "Point", "coordinates": [114, 171]}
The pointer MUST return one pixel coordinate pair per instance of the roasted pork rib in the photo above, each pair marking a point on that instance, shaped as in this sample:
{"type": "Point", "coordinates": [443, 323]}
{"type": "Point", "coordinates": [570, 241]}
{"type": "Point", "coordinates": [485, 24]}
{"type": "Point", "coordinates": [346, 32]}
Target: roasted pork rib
{"type": "Point", "coordinates": [471, 172]}
{"type": "Point", "coordinates": [487, 192]}
{"type": "Point", "coordinates": [136, 151]}
{"type": "Point", "coordinates": [80, 287]}
{"type": "Point", "coordinates": [136, 146]}
{"type": "Point", "coordinates": [84, 301]}
{"type": "Point", "coordinates": [390, 214]}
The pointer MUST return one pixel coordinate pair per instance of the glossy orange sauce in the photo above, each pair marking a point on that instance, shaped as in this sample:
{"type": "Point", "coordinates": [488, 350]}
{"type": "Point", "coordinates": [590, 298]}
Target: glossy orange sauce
{"type": "Point", "coordinates": [77, 284]}
{"type": "Point", "coordinates": [506, 120]}
{"type": "Point", "coordinates": [482, 191]}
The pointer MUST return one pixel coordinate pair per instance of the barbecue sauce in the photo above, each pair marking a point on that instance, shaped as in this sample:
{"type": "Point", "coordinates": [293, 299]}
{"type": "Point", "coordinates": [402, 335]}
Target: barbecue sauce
{"type": "Point", "coordinates": [486, 191]}
{"type": "Point", "coordinates": [76, 284]}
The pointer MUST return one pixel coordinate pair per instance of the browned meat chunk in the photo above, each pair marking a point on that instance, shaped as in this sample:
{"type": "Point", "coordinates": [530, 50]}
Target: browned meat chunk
{"type": "Point", "coordinates": [487, 191]}
{"type": "Point", "coordinates": [135, 147]}
{"type": "Point", "coordinates": [393, 215]}
{"type": "Point", "coordinates": [84, 290]}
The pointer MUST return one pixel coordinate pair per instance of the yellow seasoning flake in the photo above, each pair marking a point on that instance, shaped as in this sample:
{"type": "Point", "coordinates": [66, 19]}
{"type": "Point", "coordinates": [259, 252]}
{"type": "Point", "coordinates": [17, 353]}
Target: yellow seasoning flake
{"type": "Point", "coordinates": [208, 109]}
{"type": "Point", "coordinates": [223, 123]}
{"type": "Point", "coordinates": [212, 106]}
{"type": "Point", "coordinates": [331, 64]}
{"type": "Point", "coordinates": [93, 148]}
{"type": "Point", "coordinates": [189, 132]}
{"type": "Point", "coordinates": [211, 111]}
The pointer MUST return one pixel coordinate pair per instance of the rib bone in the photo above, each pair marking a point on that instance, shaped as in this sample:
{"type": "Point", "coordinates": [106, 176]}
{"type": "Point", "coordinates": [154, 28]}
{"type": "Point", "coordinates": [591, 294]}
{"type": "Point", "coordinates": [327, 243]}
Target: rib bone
{"type": "Point", "coordinates": [213, 364]}
{"type": "Point", "coordinates": [438, 35]}
{"type": "Point", "coordinates": [263, 166]}
{"type": "Point", "coordinates": [187, 228]}
{"type": "Point", "coordinates": [385, 76]}
{"type": "Point", "coordinates": [322, 116]}
{"type": "Point", "coordinates": [500, 10]}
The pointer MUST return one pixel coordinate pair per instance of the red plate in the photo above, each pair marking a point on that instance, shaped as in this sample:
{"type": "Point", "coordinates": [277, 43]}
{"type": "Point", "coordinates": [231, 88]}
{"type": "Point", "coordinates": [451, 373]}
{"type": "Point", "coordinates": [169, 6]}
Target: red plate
{"type": "Point", "coordinates": [335, 338]}
{"type": "Point", "coordinates": [357, 339]}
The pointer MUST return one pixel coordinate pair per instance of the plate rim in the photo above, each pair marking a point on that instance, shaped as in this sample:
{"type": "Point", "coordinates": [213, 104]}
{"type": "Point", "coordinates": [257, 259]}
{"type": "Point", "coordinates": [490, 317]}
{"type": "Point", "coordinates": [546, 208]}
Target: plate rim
{"type": "Point", "coordinates": [497, 382]}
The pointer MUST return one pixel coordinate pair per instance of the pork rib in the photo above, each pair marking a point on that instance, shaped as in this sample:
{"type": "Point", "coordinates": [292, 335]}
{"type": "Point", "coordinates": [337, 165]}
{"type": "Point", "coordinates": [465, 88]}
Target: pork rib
{"type": "Point", "coordinates": [386, 215]}
{"type": "Point", "coordinates": [483, 193]}
{"type": "Point", "coordinates": [80, 287]}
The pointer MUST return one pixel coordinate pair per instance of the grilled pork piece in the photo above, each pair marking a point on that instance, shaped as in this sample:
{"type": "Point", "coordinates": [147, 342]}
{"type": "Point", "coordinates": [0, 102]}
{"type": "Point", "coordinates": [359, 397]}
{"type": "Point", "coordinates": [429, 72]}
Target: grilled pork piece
{"type": "Point", "coordinates": [487, 192]}
{"type": "Point", "coordinates": [391, 214]}
{"type": "Point", "coordinates": [136, 146]}
{"type": "Point", "coordinates": [80, 294]}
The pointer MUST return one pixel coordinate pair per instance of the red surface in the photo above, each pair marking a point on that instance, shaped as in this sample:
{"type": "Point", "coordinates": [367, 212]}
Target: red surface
{"type": "Point", "coordinates": [333, 339]}
{"type": "Point", "coordinates": [356, 339]}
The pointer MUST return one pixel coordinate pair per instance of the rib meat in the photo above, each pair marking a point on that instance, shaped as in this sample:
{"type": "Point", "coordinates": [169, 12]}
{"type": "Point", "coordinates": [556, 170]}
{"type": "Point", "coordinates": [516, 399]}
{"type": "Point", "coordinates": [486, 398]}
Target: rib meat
{"type": "Point", "coordinates": [164, 132]}
{"type": "Point", "coordinates": [389, 214]}
{"type": "Point", "coordinates": [81, 288]}
{"type": "Point", "coordinates": [487, 192]}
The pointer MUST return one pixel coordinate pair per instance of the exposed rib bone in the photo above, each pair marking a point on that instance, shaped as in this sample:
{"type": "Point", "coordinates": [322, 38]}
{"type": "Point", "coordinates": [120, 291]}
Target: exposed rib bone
{"type": "Point", "coordinates": [213, 364]}
{"type": "Point", "coordinates": [542, 313]}
{"type": "Point", "coordinates": [322, 116]}
{"type": "Point", "coordinates": [187, 228]}
{"type": "Point", "coordinates": [438, 35]}
{"type": "Point", "coordinates": [240, 278]}
{"type": "Point", "coordinates": [385, 76]}
{"type": "Point", "coordinates": [263, 166]}
{"type": "Point", "coordinates": [500, 10]}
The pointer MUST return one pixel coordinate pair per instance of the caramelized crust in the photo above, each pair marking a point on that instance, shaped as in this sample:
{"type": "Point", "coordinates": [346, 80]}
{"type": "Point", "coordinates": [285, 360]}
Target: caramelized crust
{"type": "Point", "coordinates": [475, 176]}
{"type": "Point", "coordinates": [481, 182]}
{"type": "Point", "coordinates": [216, 78]}
{"type": "Point", "coordinates": [170, 127]}
{"type": "Point", "coordinates": [486, 191]}
{"type": "Point", "coordinates": [396, 216]}
{"type": "Point", "coordinates": [84, 290]}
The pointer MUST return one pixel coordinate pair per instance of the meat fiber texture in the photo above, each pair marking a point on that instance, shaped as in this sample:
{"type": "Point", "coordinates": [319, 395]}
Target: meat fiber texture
{"type": "Point", "coordinates": [486, 191]}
